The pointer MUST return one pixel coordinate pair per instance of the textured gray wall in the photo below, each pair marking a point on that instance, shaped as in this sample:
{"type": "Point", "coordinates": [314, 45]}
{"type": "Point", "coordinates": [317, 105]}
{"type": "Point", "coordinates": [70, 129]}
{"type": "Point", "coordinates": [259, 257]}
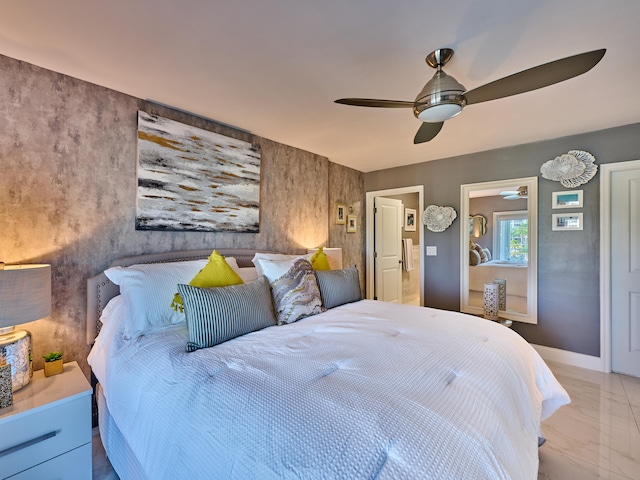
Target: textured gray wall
{"type": "Point", "coordinates": [568, 262]}
{"type": "Point", "coordinates": [347, 186]}
{"type": "Point", "coordinates": [68, 190]}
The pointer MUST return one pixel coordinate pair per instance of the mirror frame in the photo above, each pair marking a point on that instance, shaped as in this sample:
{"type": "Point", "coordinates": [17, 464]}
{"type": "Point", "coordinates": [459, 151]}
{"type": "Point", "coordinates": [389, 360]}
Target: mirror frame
{"type": "Point", "coordinates": [532, 269]}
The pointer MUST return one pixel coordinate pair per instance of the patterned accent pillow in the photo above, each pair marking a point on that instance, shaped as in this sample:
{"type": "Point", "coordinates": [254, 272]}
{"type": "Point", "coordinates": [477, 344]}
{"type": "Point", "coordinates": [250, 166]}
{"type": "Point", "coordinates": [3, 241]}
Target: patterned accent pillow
{"type": "Point", "coordinates": [215, 315]}
{"type": "Point", "coordinates": [296, 294]}
{"type": "Point", "coordinates": [338, 287]}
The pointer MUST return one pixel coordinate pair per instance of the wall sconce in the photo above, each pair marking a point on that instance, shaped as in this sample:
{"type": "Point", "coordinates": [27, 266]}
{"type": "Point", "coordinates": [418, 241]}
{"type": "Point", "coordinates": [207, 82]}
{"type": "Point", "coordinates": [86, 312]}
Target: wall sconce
{"type": "Point", "coordinates": [25, 296]}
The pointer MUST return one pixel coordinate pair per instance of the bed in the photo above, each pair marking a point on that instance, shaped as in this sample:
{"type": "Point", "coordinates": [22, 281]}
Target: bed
{"type": "Point", "coordinates": [514, 273]}
{"type": "Point", "coordinates": [364, 389]}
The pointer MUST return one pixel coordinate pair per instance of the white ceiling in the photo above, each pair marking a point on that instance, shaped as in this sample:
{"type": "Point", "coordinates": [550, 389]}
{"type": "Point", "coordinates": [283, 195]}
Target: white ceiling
{"type": "Point", "coordinates": [274, 67]}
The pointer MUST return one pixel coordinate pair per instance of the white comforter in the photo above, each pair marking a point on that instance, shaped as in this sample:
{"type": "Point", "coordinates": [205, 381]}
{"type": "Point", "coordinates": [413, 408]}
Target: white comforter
{"type": "Point", "coordinates": [366, 390]}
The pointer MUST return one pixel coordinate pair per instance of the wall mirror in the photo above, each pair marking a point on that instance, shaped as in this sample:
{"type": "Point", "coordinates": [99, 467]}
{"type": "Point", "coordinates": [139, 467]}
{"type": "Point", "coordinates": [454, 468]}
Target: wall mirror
{"type": "Point", "coordinates": [507, 249]}
{"type": "Point", "coordinates": [477, 225]}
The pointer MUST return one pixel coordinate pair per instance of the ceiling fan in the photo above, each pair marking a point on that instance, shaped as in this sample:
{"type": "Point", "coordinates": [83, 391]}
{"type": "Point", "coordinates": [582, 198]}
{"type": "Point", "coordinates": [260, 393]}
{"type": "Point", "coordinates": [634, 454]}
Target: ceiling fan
{"type": "Point", "coordinates": [443, 97]}
{"type": "Point", "coordinates": [521, 192]}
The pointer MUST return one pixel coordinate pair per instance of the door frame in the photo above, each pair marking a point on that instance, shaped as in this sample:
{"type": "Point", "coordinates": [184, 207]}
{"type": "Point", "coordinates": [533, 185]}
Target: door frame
{"type": "Point", "coordinates": [605, 256]}
{"type": "Point", "coordinates": [369, 245]}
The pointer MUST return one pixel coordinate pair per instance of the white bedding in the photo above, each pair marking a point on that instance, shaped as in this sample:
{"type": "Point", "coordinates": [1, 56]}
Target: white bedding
{"type": "Point", "coordinates": [365, 390]}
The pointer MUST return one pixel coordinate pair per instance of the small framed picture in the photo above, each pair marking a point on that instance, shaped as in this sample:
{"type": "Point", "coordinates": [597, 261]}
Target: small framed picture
{"type": "Point", "coordinates": [409, 220]}
{"type": "Point", "coordinates": [567, 221]}
{"type": "Point", "coordinates": [341, 214]}
{"type": "Point", "coordinates": [567, 199]}
{"type": "Point", "coordinates": [352, 225]}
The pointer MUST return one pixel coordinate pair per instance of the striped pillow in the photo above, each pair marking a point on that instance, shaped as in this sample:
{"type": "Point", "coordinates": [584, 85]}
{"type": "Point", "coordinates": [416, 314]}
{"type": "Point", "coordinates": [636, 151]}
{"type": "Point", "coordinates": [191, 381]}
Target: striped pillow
{"type": "Point", "coordinates": [338, 287]}
{"type": "Point", "coordinates": [215, 315]}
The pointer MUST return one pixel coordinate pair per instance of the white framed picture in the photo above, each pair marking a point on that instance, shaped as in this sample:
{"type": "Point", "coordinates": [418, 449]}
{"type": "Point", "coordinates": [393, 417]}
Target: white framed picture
{"type": "Point", "coordinates": [567, 199]}
{"type": "Point", "coordinates": [352, 226]}
{"type": "Point", "coordinates": [567, 221]}
{"type": "Point", "coordinates": [341, 213]}
{"type": "Point", "coordinates": [409, 220]}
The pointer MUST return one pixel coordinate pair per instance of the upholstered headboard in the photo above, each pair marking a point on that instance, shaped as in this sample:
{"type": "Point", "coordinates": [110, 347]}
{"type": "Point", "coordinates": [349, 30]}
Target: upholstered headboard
{"type": "Point", "coordinates": [100, 289]}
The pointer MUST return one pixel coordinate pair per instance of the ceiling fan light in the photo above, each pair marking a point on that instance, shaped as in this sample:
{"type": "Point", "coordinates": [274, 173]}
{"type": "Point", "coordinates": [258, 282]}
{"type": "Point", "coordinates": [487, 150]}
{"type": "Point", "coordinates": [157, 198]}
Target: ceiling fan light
{"type": "Point", "coordinates": [441, 98]}
{"type": "Point", "coordinates": [440, 113]}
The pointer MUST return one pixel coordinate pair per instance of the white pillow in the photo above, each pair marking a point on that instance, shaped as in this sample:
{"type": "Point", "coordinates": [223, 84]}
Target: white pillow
{"type": "Point", "coordinates": [113, 319]}
{"type": "Point", "coordinates": [233, 263]}
{"type": "Point", "coordinates": [247, 274]}
{"type": "Point", "coordinates": [148, 289]}
{"type": "Point", "coordinates": [276, 256]}
{"type": "Point", "coordinates": [274, 269]}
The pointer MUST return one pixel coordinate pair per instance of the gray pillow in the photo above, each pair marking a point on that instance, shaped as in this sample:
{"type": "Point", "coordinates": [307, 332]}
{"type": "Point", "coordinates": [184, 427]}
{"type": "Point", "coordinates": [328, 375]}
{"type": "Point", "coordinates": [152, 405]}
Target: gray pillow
{"type": "Point", "coordinates": [215, 315]}
{"type": "Point", "coordinates": [338, 287]}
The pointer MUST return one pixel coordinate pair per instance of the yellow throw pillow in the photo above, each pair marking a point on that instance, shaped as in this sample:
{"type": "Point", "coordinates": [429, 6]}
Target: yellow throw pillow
{"type": "Point", "coordinates": [319, 260]}
{"type": "Point", "coordinates": [216, 273]}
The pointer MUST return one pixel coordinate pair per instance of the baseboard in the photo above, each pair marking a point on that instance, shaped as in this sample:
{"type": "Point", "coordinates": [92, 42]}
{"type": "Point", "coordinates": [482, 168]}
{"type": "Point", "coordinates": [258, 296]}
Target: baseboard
{"type": "Point", "coordinates": [570, 358]}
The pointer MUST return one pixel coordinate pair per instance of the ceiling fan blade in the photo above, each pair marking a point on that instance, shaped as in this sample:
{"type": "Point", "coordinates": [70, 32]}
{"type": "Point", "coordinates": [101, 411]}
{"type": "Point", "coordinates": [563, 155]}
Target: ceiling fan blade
{"type": "Point", "coordinates": [427, 131]}
{"type": "Point", "coordinates": [536, 77]}
{"type": "Point", "coordinates": [371, 102]}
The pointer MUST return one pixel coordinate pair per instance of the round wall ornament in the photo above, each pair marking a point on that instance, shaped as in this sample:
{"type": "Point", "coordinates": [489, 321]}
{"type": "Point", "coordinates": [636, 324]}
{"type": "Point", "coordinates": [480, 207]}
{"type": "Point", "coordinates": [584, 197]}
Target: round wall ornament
{"type": "Point", "coordinates": [438, 219]}
{"type": "Point", "coordinates": [571, 169]}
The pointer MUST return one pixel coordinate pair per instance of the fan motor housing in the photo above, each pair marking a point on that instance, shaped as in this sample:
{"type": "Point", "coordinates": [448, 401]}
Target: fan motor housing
{"type": "Point", "coordinates": [440, 99]}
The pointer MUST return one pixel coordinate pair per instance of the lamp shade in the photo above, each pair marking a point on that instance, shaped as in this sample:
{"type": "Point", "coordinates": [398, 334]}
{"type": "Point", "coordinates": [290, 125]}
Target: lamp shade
{"type": "Point", "coordinates": [25, 293]}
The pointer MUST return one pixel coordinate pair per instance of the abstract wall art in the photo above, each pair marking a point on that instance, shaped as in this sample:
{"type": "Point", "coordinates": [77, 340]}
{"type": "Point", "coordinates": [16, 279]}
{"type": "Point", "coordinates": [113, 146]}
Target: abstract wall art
{"type": "Point", "coordinates": [190, 179]}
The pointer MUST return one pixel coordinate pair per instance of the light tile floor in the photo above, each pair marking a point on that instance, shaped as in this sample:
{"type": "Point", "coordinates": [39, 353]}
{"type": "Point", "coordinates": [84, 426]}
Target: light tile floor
{"type": "Point", "coordinates": [597, 436]}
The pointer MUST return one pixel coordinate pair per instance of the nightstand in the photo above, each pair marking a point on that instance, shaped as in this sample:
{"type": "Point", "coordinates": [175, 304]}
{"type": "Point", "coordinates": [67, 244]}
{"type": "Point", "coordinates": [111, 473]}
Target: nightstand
{"type": "Point", "coordinates": [46, 433]}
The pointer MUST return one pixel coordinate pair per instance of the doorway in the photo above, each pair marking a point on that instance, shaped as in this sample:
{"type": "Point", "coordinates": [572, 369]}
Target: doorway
{"type": "Point", "coordinates": [412, 197]}
{"type": "Point", "coordinates": [620, 267]}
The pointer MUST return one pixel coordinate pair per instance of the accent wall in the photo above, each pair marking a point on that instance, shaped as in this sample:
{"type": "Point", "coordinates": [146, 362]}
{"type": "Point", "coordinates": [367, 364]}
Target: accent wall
{"type": "Point", "coordinates": [68, 193]}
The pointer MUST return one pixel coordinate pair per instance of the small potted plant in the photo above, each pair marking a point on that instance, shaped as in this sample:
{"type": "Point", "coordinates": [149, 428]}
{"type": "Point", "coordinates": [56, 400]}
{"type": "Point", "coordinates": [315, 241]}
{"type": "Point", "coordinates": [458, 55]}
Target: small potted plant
{"type": "Point", "coordinates": [52, 363]}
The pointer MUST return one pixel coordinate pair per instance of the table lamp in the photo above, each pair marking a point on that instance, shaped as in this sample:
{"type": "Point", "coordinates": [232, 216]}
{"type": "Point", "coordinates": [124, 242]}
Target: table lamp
{"type": "Point", "coordinates": [25, 296]}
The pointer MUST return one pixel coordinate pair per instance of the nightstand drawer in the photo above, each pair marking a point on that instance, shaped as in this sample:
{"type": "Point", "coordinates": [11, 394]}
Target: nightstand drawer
{"type": "Point", "coordinates": [73, 465]}
{"type": "Point", "coordinates": [43, 434]}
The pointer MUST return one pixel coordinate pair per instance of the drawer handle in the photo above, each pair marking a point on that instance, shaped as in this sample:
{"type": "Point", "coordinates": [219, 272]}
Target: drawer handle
{"type": "Point", "coordinates": [28, 443]}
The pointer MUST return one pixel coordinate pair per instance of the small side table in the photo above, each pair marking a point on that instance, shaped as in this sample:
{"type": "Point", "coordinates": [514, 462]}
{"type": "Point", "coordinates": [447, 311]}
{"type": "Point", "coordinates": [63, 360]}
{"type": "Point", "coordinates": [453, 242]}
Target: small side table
{"type": "Point", "coordinates": [46, 433]}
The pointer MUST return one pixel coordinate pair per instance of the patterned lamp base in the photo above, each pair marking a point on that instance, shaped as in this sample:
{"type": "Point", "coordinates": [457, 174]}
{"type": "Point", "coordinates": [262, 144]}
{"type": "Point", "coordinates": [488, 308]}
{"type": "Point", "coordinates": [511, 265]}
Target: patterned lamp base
{"type": "Point", "coordinates": [502, 292]}
{"type": "Point", "coordinates": [16, 347]}
{"type": "Point", "coordinates": [491, 301]}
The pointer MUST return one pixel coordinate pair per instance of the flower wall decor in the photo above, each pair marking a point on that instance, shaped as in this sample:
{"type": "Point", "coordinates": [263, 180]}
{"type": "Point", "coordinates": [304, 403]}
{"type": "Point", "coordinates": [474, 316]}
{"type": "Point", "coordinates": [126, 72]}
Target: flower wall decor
{"type": "Point", "coordinates": [438, 219]}
{"type": "Point", "coordinates": [571, 169]}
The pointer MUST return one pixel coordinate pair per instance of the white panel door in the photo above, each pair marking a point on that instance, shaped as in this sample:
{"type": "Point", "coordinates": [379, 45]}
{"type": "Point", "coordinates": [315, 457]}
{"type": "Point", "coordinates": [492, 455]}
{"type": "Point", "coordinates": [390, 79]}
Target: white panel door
{"type": "Point", "coordinates": [625, 272]}
{"type": "Point", "coordinates": [388, 249]}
